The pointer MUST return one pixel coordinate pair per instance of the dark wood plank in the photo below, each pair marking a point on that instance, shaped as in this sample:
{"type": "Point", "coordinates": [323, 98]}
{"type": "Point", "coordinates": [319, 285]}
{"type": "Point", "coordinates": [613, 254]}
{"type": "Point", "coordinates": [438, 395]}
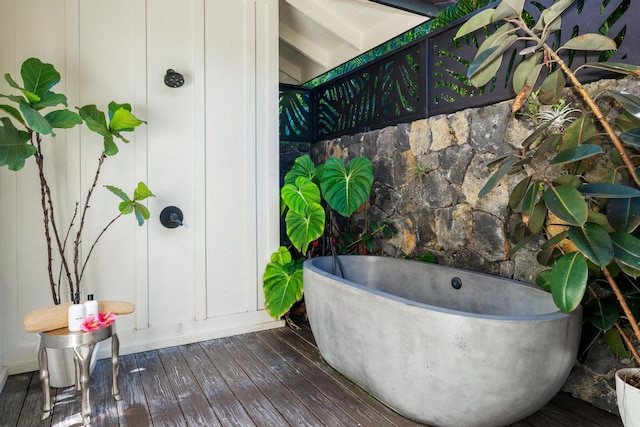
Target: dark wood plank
{"type": "Point", "coordinates": [163, 405]}
{"type": "Point", "coordinates": [332, 404]}
{"type": "Point", "coordinates": [282, 398]}
{"type": "Point", "coordinates": [104, 411]}
{"type": "Point", "coordinates": [228, 409]}
{"type": "Point", "coordinates": [311, 353]}
{"type": "Point", "coordinates": [13, 397]}
{"type": "Point", "coordinates": [133, 410]}
{"type": "Point", "coordinates": [195, 407]}
{"type": "Point", "coordinates": [586, 411]}
{"type": "Point", "coordinates": [257, 405]}
{"type": "Point", "coordinates": [31, 414]}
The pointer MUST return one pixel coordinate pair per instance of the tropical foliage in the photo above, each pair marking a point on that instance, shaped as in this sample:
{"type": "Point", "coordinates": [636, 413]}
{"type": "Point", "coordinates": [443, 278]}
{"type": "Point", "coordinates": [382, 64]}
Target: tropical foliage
{"type": "Point", "coordinates": [309, 197]}
{"type": "Point", "coordinates": [17, 144]}
{"type": "Point", "coordinates": [594, 251]}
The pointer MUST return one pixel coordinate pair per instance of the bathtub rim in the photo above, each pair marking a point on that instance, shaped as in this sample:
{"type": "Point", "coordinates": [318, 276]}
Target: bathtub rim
{"type": "Point", "coordinates": [542, 317]}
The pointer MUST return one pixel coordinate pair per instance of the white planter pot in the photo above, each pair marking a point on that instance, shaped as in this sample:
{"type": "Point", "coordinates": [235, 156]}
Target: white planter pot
{"type": "Point", "coordinates": [62, 371]}
{"type": "Point", "coordinates": [628, 398]}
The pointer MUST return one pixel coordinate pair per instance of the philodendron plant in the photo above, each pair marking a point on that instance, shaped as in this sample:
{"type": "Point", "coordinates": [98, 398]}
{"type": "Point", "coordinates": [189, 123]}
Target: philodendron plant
{"type": "Point", "coordinates": [594, 251]}
{"type": "Point", "coordinates": [37, 115]}
{"type": "Point", "coordinates": [308, 196]}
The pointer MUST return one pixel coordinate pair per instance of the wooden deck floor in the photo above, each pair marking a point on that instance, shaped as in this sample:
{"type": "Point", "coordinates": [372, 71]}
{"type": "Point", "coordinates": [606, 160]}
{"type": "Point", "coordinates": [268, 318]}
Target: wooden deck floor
{"type": "Point", "coordinates": [271, 378]}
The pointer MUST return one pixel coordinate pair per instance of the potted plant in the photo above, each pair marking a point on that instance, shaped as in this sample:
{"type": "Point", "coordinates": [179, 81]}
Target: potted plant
{"type": "Point", "coordinates": [594, 253]}
{"type": "Point", "coordinates": [309, 197]}
{"type": "Point", "coordinates": [23, 134]}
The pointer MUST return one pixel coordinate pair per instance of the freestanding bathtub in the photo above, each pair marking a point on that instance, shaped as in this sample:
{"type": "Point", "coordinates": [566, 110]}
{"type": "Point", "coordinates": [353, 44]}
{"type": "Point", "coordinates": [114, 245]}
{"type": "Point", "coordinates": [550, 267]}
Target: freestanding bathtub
{"type": "Point", "coordinates": [439, 345]}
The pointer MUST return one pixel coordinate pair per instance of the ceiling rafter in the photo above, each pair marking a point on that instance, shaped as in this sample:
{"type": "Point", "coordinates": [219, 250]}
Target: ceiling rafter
{"type": "Point", "coordinates": [305, 46]}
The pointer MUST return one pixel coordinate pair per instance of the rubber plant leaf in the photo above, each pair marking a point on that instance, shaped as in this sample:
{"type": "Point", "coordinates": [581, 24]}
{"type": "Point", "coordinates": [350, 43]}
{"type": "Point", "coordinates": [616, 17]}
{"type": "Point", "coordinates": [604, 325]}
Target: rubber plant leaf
{"type": "Point", "coordinates": [567, 204]}
{"type": "Point", "coordinates": [600, 219]}
{"type": "Point", "coordinates": [508, 9]}
{"type": "Point", "coordinates": [627, 122]}
{"type": "Point", "coordinates": [552, 87]}
{"type": "Point", "coordinates": [302, 166]}
{"type": "Point", "coordinates": [550, 14]}
{"type": "Point", "coordinates": [537, 217]}
{"type": "Point", "coordinates": [569, 281]}
{"type": "Point", "coordinates": [14, 146]}
{"type": "Point", "coordinates": [519, 191]}
{"type": "Point", "coordinates": [629, 102]}
{"type": "Point", "coordinates": [527, 72]}
{"type": "Point", "coordinates": [626, 250]}
{"type": "Point", "coordinates": [497, 176]}
{"type": "Point", "coordinates": [530, 198]}
{"type": "Point", "coordinates": [543, 279]}
{"type": "Point", "coordinates": [282, 285]}
{"type": "Point", "coordinates": [591, 42]}
{"type": "Point", "coordinates": [489, 57]}
{"type": "Point", "coordinates": [616, 344]}
{"type": "Point", "coordinates": [300, 195]}
{"type": "Point", "coordinates": [477, 21]}
{"type": "Point", "coordinates": [631, 137]}
{"type": "Point", "coordinates": [616, 67]}
{"type": "Point", "coordinates": [304, 229]}
{"type": "Point", "coordinates": [579, 131]}
{"type": "Point", "coordinates": [594, 243]}
{"type": "Point", "coordinates": [609, 191]}
{"type": "Point", "coordinates": [601, 313]}
{"type": "Point", "coordinates": [347, 188]}
{"type": "Point", "coordinates": [624, 214]}
{"type": "Point", "coordinates": [575, 154]}
{"type": "Point", "coordinates": [63, 119]}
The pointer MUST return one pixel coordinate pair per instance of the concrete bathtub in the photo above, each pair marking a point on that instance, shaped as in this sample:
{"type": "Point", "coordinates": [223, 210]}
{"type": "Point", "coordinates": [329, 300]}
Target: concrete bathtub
{"type": "Point", "coordinates": [487, 354]}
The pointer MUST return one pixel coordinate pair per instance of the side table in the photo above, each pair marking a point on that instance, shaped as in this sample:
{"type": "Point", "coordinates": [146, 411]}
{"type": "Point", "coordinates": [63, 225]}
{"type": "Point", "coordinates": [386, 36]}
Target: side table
{"type": "Point", "coordinates": [82, 344]}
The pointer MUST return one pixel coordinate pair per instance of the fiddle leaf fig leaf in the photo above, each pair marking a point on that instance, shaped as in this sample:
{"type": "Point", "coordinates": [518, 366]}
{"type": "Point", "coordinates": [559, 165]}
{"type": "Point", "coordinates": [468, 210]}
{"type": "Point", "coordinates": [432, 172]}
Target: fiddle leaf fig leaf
{"type": "Point", "coordinates": [141, 212]}
{"type": "Point", "coordinates": [626, 249]}
{"type": "Point", "coordinates": [13, 112]}
{"type": "Point", "coordinates": [122, 120]}
{"type": "Point", "coordinates": [63, 119]}
{"type": "Point", "coordinates": [594, 243]}
{"type": "Point", "coordinates": [609, 191]}
{"type": "Point", "coordinates": [629, 102]}
{"type": "Point", "coordinates": [347, 188]}
{"type": "Point", "coordinates": [282, 285]}
{"type": "Point", "coordinates": [569, 281]}
{"type": "Point", "coordinates": [591, 42]}
{"type": "Point", "coordinates": [49, 99]}
{"type": "Point", "coordinates": [118, 192]}
{"type": "Point", "coordinates": [94, 119]}
{"type": "Point", "coordinates": [575, 154]}
{"type": "Point", "coordinates": [624, 213]}
{"type": "Point", "coordinates": [38, 77]}
{"type": "Point", "coordinates": [35, 121]}
{"type": "Point", "coordinates": [477, 21]}
{"type": "Point", "coordinates": [14, 146]}
{"type": "Point", "coordinates": [128, 206]}
{"type": "Point", "coordinates": [304, 229]}
{"type": "Point", "coordinates": [142, 192]}
{"type": "Point", "coordinates": [300, 195]}
{"type": "Point", "coordinates": [567, 204]}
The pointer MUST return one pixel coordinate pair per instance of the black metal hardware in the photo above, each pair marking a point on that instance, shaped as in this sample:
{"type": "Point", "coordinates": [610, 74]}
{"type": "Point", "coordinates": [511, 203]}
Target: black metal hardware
{"type": "Point", "coordinates": [173, 78]}
{"type": "Point", "coordinates": [171, 217]}
{"type": "Point", "coordinates": [456, 283]}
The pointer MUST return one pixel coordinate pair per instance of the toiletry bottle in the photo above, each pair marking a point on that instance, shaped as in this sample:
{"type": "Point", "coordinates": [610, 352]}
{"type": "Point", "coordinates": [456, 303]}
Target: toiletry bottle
{"type": "Point", "coordinates": [91, 308]}
{"type": "Point", "coordinates": [76, 314]}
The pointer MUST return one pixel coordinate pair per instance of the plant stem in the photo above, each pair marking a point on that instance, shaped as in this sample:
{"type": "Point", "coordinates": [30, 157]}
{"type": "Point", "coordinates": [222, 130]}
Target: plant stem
{"type": "Point", "coordinates": [628, 343]}
{"type": "Point", "coordinates": [94, 245]}
{"type": "Point", "coordinates": [623, 303]}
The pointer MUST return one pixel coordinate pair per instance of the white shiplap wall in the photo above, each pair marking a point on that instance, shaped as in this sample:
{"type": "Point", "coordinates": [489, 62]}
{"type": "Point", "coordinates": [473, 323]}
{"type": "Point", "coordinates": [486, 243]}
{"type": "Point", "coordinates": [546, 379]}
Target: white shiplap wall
{"type": "Point", "coordinates": [210, 148]}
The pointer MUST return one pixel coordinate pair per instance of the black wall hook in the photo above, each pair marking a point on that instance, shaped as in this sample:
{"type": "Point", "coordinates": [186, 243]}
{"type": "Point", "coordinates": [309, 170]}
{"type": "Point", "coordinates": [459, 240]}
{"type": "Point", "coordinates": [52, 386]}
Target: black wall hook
{"type": "Point", "coordinates": [171, 217]}
{"type": "Point", "coordinates": [173, 78]}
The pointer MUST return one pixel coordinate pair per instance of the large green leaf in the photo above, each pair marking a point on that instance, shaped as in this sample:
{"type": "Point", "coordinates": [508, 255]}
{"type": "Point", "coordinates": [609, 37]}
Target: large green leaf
{"type": "Point", "coordinates": [94, 119]}
{"type": "Point", "coordinates": [300, 195]}
{"type": "Point", "coordinates": [35, 121]}
{"type": "Point", "coordinates": [569, 281]}
{"type": "Point", "coordinates": [537, 217]}
{"type": "Point", "coordinates": [518, 192]}
{"type": "Point", "coordinates": [594, 243]}
{"type": "Point", "coordinates": [591, 42]}
{"type": "Point", "coordinates": [122, 120]}
{"type": "Point", "coordinates": [13, 112]}
{"type": "Point", "coordinates": [497, 176]}
{"type": "Point", "coordinates": [282, 285]}
{"type": "Point", "coordinates": [531, 197]}
{"type": "Point", "coordinates": [38, 77]}
{"type": "Point", "coordinates": [302, 166]}
{"type": "Point", "coordinates": [616, 344]}
{"type": "Point", "coordinates": [14, 146]}
{"type": "Point", "coordinates": [603, 314]}
{"type": "Point", "coordinates": [527, 72]}
{"type": "Point", "coordinates": [567, 204]}
{"type": "Point", "coordinates": [626, 250]}
{"type": "Point", "coordinates": [551, 88]}
{"type": "Point", "coordinates": [575, 154]}
{"type": "Point", "coordinates": [609, 191]}
{"type": "Point", "coordinates": [142, 192]}
{"type": "Point", "coordinates": [578, 132]}
{"type": "Point", "coordinates": [477, 21]}
{"type": "Point", "coordinates": [489, 56]}
{"type": "Point", "coordinates": [304, 229]}
{"type": "Point", "coordinates": [629, 102]}
{"type": "Point", "coordinates": [631, 137]}
{"type": "Point", "coordinates": [551, 13]}
{"type": "Point", "coordinates": [344, 188]}
{"type": "Point", "coordinates": [63, 119]}
{"type": "Point", "coordinates": [508, 9]}
{"type": "Point", "coordinates": [624, 214]}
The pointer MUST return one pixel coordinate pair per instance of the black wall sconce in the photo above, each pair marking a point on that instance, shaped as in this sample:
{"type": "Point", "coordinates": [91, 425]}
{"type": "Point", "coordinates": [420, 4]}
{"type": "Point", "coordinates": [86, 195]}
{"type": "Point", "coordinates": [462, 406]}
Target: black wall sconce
{"type": "Point", "coordinates": [173, 79]}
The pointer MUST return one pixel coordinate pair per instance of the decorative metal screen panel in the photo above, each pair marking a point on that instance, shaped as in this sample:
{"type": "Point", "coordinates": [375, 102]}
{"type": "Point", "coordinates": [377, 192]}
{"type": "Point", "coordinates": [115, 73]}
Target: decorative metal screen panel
{"type": "Point", "coordinates": [388, 91]}
{"type": "Point", "coordinates": [296, 114]}
{"type": "Point", "coordinates": [448, 60]}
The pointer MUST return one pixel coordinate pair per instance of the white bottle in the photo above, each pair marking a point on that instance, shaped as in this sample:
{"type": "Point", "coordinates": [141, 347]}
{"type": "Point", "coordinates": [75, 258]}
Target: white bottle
{"type": "Point", "coordinates": [91, 308]}
{"type": "Point", "coordinates": [76, 314]}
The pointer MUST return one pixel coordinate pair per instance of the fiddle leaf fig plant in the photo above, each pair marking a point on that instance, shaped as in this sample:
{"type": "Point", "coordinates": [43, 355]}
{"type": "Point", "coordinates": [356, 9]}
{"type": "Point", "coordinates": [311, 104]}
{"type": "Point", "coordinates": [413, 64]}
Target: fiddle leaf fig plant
{"type": "Point", "coordinates": [592, 224]}
{"type": "Point", "coordinates": [37, 111]}
{"type": "Point", "coordinates": [307, 197]}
